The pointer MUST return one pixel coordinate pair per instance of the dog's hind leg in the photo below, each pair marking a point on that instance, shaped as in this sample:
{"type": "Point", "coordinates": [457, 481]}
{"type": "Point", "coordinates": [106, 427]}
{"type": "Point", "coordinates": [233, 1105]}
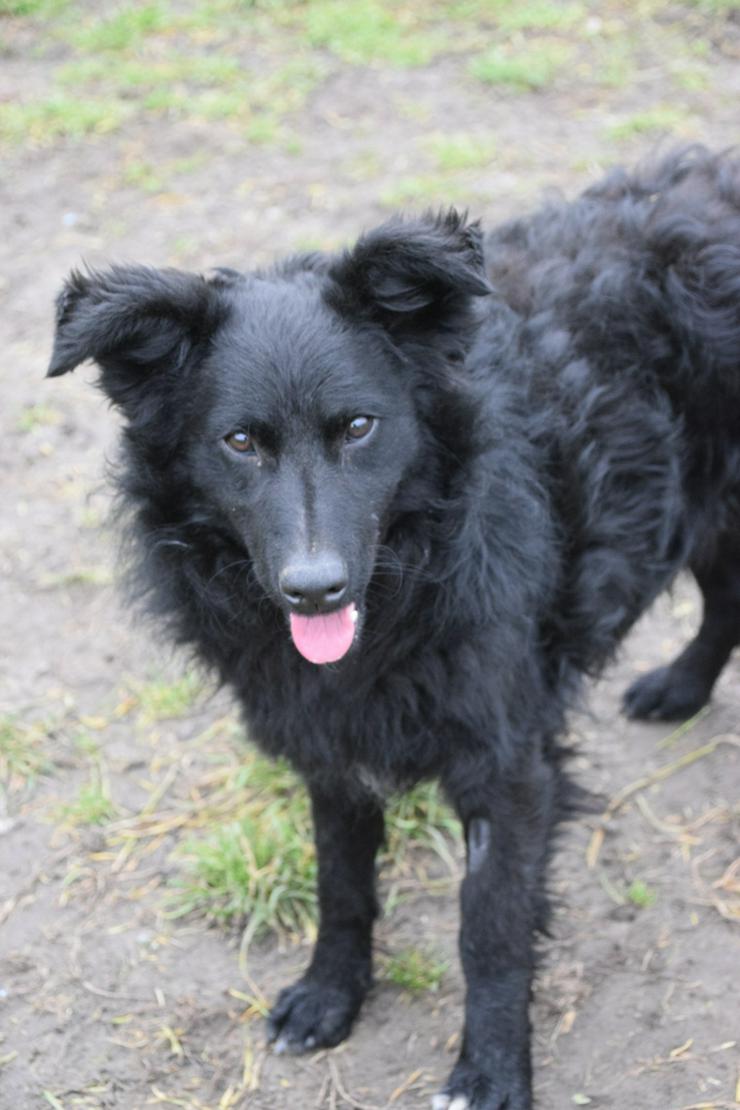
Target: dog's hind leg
{"type": "Point", "coordinates": [508, 822]}
{"type": "Point", "coordinates": [680, 689]}
{"type": "Point", "coordinates": [318, 1010]}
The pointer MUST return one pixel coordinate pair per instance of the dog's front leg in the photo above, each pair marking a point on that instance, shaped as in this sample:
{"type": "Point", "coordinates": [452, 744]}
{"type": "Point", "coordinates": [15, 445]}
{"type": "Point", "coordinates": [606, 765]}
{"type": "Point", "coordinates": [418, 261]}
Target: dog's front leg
{"type": "Point", "coordinates": [318, 1010]}
{"type": "Point", "coordinates": [507, 825]}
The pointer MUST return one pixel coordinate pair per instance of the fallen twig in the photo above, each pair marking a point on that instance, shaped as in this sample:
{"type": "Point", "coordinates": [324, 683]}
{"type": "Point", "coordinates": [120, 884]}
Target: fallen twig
{"type": "Point", "coordinates": [659, 775]}
{"type": "Point", "coordinates": [342, 1091]}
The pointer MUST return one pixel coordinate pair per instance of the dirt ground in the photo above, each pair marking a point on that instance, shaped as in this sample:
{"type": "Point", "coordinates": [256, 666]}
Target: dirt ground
{"type": "Point", "coordinates": [105, 1000]}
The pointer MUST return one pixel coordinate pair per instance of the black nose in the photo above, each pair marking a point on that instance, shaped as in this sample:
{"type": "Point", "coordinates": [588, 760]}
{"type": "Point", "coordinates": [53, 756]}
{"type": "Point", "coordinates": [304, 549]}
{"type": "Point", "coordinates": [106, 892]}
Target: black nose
{"type": "Point", "coordinates": [314, 584]}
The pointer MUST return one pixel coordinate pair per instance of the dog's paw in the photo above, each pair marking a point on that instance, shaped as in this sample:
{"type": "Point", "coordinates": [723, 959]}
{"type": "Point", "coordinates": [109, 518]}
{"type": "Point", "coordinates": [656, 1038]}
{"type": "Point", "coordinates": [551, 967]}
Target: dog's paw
{"type": "Point", "coordinates": [469, 1089]}
{"type": "Point", "coordinates": [445, 1102]}
{"type": "Point", "coordinates": [311, 1015]}
{"type": "Point", "coordinates": [665, 694]}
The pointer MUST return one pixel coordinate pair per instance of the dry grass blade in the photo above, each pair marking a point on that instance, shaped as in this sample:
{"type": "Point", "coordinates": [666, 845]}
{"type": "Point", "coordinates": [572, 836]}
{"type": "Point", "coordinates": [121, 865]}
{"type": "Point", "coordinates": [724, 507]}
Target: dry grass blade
{"type": "Point", "coordinates": [103, 993]}
{"type": "Point", "coordinates": [404, 1087]}
{"type": "Point", "coordinates": [252, 1067]}
{"type": "Point", "coordinates": [670, 769]}
{"type": "Point", "coordinates": [722, 1105]}
{"type": "Point", "coordinates": [682, 729]}
{"type": "Point", "coordinates": [323, 1090]}
{"type": "Point", "coordinates": [675, 831]}
{"type": "Point", "coordinates": [730, 880]}
{"type": "Point", "coordinates": [645, 781]}
{"type": "Point", "coordinates": [342, 1091]}
{"type": "Point", "coordinates": [149, 808]}
{"type": "Point", "coordinates": [728, 906]}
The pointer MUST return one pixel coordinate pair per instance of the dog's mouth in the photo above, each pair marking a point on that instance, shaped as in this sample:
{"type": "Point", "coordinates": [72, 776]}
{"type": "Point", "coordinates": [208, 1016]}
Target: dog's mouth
{"type": "Point", "coordinates": [325, 637]}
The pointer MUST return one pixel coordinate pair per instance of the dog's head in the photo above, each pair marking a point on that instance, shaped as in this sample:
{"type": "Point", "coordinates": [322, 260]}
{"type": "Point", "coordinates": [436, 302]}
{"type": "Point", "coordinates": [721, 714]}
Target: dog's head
{"type": "Point", "coordinates": [292, 408]}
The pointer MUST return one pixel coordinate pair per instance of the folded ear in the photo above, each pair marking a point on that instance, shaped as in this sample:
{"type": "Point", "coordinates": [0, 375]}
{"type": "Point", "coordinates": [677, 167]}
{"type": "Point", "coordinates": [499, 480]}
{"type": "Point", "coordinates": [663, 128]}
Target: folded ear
{"type": "Point", "coordinates": [138, 324]}
{"type": "Point", "coordinates": [414, 277]}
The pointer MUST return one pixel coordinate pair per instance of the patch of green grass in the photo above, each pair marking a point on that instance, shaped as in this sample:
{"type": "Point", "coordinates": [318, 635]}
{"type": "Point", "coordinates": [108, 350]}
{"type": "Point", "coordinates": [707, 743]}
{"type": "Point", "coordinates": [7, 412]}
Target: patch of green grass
{"type": "Point", "coordinates": [129, 27]}
{"type": "Point", "coordinates": [367, 31]}
{"type": "Point", "coordinates": [307, 244]}
{"type": "Point", "coordinates": [44, 8]}
{"type": "Point", "coordinates": [144, 176]}
{"type": "Point", "coordinates": [541, 15]}
{"type": "Point", "coordinates": [461, 151]}
{"type": "Point", "coordinates": [209, 104]}
{"type": "Point", "coordinates": [476, 10]}
{"type": "Point", "coordinates": [519, 15]}
{"type": "Point", "coordinates": [159, 699]}
{"type": "Point", "coordinates": [420, 818]}
{"type": "Point", "coordinates": [167, 99]}
{"type": "Point", "coordinates": [43, 121]}
{"type": "Point", "coordinates": [77, 576]}
{"type": "Point", "coordinates": [292, 145]}
{"type": "Point", "coordinates": [22, 757]}
{"type": "Point", "coordinates": [287, 87]}
{"type": "Point", "coordinates": [414, 110]}
{"type": "Point", "coordinates": [715, 7]}
{"type": "Point", "coordinates": [415, 971]}
{"type": "Point", "coordinates": [419, 191]}
{"type": "Point", "coordinates": [261, 865]}
{"type": "Point", "coordinates": [184, 246]}
{"type": "Point", "coordinates": [92, 806]}
{"type": "Point", "coordinates": [86, 744]}
{"type": "Point", "coordinates": [651, 121]}
{"type": "Point", "coordinates": [262, 129]}
{"type": "Point", "coordinates": [699, 48]}
{"type": "Point", "coordinates": [640, 894]}
{"type": "Point", "coordinates": [209, 88]}
{"type": "Point", "coordinates": [691, 75]}
{"type": "Point", "coordinates": [190, 164]}
{"type": "Point", "coordinates": [611, 62]}
{"type": "Point", "coordinates": [205, 70]}
{"type": "Point", "coordinates": [151, 178]}
{"type": "Point", "coordinates": [215, 104]}
{"type": "Point", "coordinates": [522, 68]}
{"type": "Point", "coordinates": [38, 416]}
{"type": "Point", "coordinates": [201, 87]}
{"type": "Point", "coordinates": [89, 516]}
{"type": "Point", "coordinates": [214, 20]}
{"type": "Point", "coordinates": [263, 869]}
{"type": "Point", "coordinates": [364, 165]}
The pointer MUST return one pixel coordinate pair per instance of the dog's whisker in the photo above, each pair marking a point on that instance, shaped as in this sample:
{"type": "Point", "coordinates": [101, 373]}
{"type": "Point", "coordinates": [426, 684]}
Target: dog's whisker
{"type": "Point", "coordinates": [238, 563]}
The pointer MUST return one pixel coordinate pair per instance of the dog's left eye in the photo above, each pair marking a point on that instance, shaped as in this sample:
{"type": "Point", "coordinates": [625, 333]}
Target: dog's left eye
{"type": "Point", "coordinates": [358, 428]}
{"type": "Point", "coordinates": [241, 442]}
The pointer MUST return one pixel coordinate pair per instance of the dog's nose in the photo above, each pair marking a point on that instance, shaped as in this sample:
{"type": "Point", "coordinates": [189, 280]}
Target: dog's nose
{"type": "Point", "coordinates": [314, 585]}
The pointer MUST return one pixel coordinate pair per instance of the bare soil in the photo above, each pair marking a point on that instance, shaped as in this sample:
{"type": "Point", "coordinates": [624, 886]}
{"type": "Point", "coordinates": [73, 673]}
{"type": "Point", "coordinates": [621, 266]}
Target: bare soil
{"type": "Point", "coordinates": [104, 1000]}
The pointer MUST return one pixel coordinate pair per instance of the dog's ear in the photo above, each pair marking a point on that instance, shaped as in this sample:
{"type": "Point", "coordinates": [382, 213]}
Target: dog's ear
{"type": "Point", "coordinates": [413, 277]}
{"type": "Point", "coordinates": [138, 324]}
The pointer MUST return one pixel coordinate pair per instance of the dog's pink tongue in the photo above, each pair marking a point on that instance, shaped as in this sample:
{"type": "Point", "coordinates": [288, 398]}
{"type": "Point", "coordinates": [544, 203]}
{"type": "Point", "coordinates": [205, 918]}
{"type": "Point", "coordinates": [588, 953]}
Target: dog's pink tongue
{"type": "Point", "coordinates": [326, 637]}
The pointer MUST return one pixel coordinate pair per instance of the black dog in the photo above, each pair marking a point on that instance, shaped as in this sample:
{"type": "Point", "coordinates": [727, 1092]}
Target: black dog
{"type": "Point", "coordinates": [453, 470]}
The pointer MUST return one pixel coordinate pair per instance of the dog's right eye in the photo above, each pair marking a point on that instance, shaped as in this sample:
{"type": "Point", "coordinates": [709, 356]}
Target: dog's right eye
{"type": "Point", "coordinates": [241, 442]}
{"type": "Point", "coordinates": [358, 428]}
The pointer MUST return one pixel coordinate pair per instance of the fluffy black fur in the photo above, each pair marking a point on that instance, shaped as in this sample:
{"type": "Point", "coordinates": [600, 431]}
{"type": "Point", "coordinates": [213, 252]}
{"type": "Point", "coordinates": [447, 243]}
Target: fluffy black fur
{"type": "Point", "coordinates": [556, 433]}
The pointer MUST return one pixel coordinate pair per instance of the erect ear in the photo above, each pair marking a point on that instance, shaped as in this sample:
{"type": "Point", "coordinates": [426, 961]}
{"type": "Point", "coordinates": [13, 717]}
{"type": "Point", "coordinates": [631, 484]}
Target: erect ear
{"type": "Point", "coordinates": [138, 324]}
{"type": "Point", "coordinates": [415, 277]}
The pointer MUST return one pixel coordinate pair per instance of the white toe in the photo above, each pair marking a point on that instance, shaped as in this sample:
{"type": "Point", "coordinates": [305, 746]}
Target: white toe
{"type": "Point", "coordinates": [460, 1103]}
{"type": "Point", "coordinates": [440, 1102]}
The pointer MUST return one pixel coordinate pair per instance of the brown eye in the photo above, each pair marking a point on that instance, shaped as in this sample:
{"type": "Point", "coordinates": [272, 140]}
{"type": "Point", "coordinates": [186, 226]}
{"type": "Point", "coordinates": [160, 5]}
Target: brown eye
{"type": "Point", "coordinates": [241, 442]}
{"type": "Point", "coordinates": [358, 428]}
